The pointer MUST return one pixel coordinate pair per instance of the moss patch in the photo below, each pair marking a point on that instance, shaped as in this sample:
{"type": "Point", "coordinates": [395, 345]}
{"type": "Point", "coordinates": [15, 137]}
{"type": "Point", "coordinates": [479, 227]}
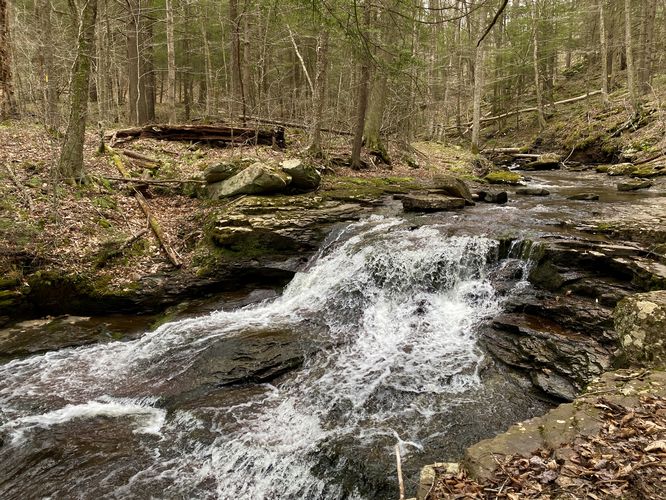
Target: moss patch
{"type": "Point", "coordinates": [503, 177]}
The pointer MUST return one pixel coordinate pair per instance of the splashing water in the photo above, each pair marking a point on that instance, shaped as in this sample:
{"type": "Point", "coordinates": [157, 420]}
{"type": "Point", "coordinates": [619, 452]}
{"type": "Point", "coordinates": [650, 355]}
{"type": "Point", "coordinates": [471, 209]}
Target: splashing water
{"type": "Point", "coordinates": [389, 314]}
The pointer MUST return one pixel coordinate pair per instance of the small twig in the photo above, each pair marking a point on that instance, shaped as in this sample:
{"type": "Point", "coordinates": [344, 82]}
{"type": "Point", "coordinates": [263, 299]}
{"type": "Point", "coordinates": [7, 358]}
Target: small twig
{"type": "Point", "coordinates": [400, 480]}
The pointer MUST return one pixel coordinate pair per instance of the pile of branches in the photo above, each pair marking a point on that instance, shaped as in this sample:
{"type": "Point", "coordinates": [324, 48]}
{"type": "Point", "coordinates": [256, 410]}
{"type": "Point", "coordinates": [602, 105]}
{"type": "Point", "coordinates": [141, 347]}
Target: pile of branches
{"type": "Point", "coordinates": [625, 460]}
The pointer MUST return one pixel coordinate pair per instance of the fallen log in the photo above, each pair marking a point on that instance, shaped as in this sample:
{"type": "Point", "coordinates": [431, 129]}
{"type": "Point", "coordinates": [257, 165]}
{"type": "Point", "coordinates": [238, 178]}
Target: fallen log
{"type": "Point", "coordinates": [152, 221]}
{"type": "Point", "coordinates": [138, 156]}
{"type": "Point", "coordinates": [156, 182]}
{"type": "Point", "coordinates": [528, 110]}
{"type": "Point", "coordinates": [286, 124]}
{"type": "Point", "coordinates": [209, 133]}
{"type": "Point", "coordinates": [503, 150]}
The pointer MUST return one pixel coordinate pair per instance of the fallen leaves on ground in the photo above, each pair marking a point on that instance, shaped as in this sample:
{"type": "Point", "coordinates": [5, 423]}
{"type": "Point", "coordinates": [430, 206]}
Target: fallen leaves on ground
{"type": "Point", "coordinates": [626, 459]}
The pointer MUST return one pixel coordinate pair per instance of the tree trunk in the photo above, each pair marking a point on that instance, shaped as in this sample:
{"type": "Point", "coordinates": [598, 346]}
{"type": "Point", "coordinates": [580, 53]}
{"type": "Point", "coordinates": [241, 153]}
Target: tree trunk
{"type": "Point", "coordinates": [70, 164]}
{"type": "Point", "coordinates": [238, 105]}
{"type": "Point", "coordinates": [535, 59]}
{"type": "Point", "coordinates": [363, 91]}
{"type": "Point", "coordinates": [478, 94]}
{"type": "Point", "coordinates": [140, 66]}
{"type": "Point", "coordinates": [604, 54]}
{"type": "Point", "coordinates": [629, 47]}
{"type": "Point", "coordinates": [319, 96]}
{"type": "Point", "coordinates": [7, 102]}
{"type": "Point", "coordinates": [171, 63]}
{"type": "Point", "coordinates": [48, 76]}
{"type": "Point", "coordinates": [649, 13]}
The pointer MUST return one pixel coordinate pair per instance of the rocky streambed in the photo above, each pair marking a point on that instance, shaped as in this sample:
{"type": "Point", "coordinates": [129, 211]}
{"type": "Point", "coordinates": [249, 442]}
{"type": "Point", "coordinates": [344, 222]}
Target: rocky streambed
{"type": "Point", "coordinates": [430, 330]}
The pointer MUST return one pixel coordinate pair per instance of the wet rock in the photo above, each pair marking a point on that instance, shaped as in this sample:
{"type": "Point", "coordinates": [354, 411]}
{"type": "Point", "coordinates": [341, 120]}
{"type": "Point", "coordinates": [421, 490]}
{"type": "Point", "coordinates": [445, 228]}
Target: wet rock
{"type": "Point", "coordinates": [258, 178]}
{"type": "Point", "coordinates": [220, 172]}
{"type": "Point", "coordinates": [633, 186]}
{"type": "Point", "coordinates": [561, 362]}
{"type": "Point", "coordinates": [431, 203]}
{"type": "Point", "coordinates": [452, 186]}
{"type": "Point", "coordinates": [498, 197]}
{"type": "Point", "coordinates": [584, 197]}
{"type": "Point", "coordinates": [532, 191]}
{"type": "Point", "coordinates": [640, 321]}
{"type": "Point", "coordinates": [548, 161]}
{"type": "Point", "coordinates": [41, 335]}
{"type": "Point", "coordinates": [303, 176]}
{"type": "Point", "coordinates": [253, 357]}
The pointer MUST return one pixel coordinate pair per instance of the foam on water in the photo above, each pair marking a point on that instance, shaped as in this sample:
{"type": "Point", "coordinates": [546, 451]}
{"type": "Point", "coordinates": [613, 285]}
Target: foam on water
{"type": "Point", "coordinates": [149, 419]}
{"type": "Point", "coordinates": [399, 305]}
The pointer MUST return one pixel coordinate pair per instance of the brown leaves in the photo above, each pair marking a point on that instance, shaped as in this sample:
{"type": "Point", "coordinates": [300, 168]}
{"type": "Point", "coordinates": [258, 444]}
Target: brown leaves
{"type": "Point", "coordinates": [626, 459]}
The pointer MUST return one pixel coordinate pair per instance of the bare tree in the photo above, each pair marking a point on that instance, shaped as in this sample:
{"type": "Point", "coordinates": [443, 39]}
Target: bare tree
{"type": "Point", "coordinates": [70, 164]}
{"type": "Point", "coordinates": [604, 54]}
{"type": "Point", "coordinates": [171, 63]}
{"type": "Point", "coordinates": [319, 94]}
{"type": "Point", "coordinates": [629, 47]}
{"type": "Point", "coordinates": [7, 102]}
{"type": "Point", "coordinates": [535, 59]}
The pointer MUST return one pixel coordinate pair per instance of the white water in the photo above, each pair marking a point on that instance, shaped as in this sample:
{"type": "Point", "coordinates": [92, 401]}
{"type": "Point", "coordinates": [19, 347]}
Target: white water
{"type": "Point", "coordinates": [399, 308]}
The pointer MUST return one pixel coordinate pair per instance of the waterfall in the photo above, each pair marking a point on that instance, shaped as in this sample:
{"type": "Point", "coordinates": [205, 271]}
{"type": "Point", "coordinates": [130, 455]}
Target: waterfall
{"type": "Point", "coordinates": [386, 315]}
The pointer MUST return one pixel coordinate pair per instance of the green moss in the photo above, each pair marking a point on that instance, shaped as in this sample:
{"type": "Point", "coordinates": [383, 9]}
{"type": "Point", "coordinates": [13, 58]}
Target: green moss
{"type": "Point", "coordinates": [365, 189]}
{"type": "Point", "coordinates": [104, 202]}
{"type": "Point", "coordinates": [648, 172]}
{"type": "Point", "coordinates": [105, 223]}
{"type": "Point", "coordinates": [503, 177]}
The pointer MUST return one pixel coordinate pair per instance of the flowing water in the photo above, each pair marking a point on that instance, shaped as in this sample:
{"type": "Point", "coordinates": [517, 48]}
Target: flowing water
{"type": "Point", "coordinates": [301, 396]}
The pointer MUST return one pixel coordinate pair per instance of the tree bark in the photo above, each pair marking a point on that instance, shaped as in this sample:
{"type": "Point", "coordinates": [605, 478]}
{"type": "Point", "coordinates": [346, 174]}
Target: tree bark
{"type": "Point", "coordinates": [70, 164]}
{"type": "Point", "coordinates": [7, 103]}
{"type": "Point", "coordinates": [319, 95]}
{"type": "Point", "coordinates": [629, 47]}
{"type": "Point", "coordinates": [363, 91]}
{"type": "Point", "coordinates": [171, 63]}
{"type": "Point", "coordinates": [140, 65]}
{"type": "Point", "coordinates": [535, 59]}
{"type": "Point", "coordinates": [47, 73]}
{"type": "Point", "coordinates": [478, 92]}
{"type": "Point", "coordinates": [604, 54]}
{"type": "Point", "coordinates": [238, 105]}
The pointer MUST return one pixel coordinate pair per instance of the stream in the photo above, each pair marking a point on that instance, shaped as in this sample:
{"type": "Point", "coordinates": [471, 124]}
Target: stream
{"type": "Point", "coordinates": [305, 394]}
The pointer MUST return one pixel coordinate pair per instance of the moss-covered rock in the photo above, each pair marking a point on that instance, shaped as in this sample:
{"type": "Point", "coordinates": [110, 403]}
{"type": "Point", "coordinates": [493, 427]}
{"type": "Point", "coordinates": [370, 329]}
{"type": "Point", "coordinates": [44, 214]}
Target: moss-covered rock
{"type": "Point", "coordinates": [650, 171]}
{"type": "Point", "coordinates": [504, 177]}
{"type": "Point", "coordinates": [640, 321]}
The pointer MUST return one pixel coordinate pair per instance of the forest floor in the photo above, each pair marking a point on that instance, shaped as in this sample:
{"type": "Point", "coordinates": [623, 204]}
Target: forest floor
{"type": "Point", "coordinates": [53, 225]}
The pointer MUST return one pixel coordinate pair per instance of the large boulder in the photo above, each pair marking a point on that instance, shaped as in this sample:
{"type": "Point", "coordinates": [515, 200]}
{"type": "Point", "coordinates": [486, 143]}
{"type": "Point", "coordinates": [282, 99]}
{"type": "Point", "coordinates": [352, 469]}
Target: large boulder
{"type": "Point", "coordinates": [633, 185]}
{"type": "Point", "coordinates": [640, 322]}
{"type": "Point", "coordinates": [621, 169]}
{"type": "Point", "coordinates": [452, 186]}
{"type": "Point", "coordinates": [548, 161]}
{"type": "Point", "coordinates": [220, 172]}
{"type": "Point", "coordinates": [431, 203]}
{"type": "Point", "coordinates": [303, 176]}
{"type": "Point", "coordinates": [504, 177]}
{"type": "Point", "coordinates": [258, 178]}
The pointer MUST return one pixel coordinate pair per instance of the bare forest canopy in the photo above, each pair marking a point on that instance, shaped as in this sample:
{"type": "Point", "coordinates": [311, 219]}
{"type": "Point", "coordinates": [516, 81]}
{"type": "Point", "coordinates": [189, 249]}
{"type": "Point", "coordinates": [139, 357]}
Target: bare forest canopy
{"type": "Point", "coordinates": [373, 69]}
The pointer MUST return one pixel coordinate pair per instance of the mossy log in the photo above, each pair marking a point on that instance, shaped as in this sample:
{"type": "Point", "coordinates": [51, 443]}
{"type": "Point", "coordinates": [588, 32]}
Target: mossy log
{"type": "Point", "coordinates": [152, 221]}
